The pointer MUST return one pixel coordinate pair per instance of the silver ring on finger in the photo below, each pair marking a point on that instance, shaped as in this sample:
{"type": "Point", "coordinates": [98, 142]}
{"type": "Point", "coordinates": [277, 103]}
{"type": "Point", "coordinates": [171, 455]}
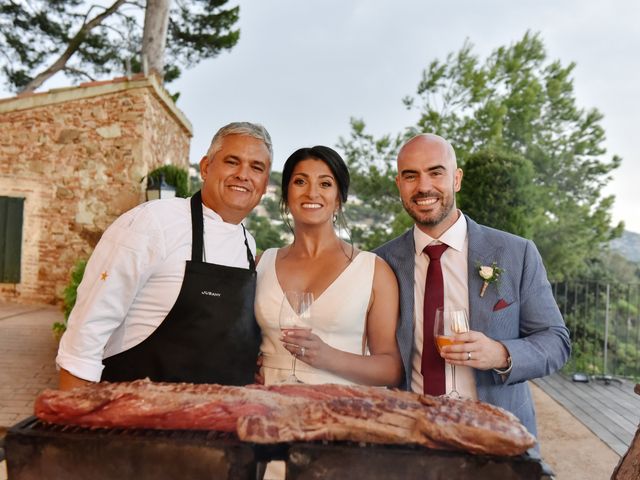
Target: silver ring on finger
{"type": "Point", "coordinates": [302, 350]}
{"type": "Point", "coordinates": [468, 356]}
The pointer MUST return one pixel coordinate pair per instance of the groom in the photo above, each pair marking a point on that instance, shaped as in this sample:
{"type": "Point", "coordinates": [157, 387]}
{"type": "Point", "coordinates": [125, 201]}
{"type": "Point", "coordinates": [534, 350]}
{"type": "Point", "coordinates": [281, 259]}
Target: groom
{"type": "Point", "coordinates": [516, 330]}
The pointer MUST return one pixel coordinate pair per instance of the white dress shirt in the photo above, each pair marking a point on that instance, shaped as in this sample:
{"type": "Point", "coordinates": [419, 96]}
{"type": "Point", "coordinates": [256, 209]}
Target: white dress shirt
{"type": "Point", "coordinates": [456, 294]}
{"type": "Point", "coordinates": [134, 276]}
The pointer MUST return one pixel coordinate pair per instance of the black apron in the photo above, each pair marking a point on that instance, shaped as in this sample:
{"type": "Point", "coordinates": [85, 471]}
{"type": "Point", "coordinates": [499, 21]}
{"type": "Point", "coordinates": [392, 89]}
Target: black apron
{"type": "Point", "coordinates": [209, 336]}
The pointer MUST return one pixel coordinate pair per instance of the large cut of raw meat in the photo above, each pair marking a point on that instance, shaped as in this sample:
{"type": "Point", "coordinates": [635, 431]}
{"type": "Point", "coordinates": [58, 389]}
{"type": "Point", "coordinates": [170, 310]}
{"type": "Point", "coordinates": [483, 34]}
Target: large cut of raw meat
{"type": "Point", "coordinates": [289, 413]}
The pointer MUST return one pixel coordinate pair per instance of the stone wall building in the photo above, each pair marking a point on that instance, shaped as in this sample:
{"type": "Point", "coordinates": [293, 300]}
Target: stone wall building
{"type": "Point", "coordinates": [71, 161]}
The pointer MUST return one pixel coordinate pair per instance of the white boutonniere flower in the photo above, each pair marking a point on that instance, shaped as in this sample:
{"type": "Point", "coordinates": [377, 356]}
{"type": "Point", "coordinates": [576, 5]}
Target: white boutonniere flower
{"type": "Point", "coordinates": [489, 274]}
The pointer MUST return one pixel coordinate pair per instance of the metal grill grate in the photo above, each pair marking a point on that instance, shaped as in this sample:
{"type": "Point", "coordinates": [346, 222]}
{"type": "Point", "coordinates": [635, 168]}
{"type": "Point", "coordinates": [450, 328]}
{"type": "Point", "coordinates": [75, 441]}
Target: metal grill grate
{"type": "Point", "coordinates": [34, 426]}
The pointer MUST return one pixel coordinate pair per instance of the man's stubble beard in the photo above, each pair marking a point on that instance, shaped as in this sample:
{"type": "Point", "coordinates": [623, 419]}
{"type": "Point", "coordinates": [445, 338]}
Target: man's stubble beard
{"type": "Point", "coordinates": [429, 222]}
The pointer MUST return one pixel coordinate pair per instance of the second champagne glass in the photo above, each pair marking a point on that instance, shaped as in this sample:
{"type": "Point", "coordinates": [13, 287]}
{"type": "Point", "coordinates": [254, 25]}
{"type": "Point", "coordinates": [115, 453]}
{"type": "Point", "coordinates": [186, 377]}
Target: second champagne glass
{"type": "Point", "coordinates": [295, 314]}
{"type": "Point", "coordinates": [449, 322]}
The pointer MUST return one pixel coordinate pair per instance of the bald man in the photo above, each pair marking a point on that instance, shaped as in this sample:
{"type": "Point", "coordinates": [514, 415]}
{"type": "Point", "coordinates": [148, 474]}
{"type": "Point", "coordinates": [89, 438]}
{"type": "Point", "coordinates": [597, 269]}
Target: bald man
{"type": "Point", "coordinates": [516, 330]}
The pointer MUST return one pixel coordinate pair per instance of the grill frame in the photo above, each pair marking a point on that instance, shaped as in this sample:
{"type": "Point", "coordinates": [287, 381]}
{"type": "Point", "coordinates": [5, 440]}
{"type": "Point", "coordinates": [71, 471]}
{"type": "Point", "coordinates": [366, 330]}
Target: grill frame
{"type": "Point", "coordinates": [385, 462]}
{"type": "Point", "coordinates": [35, 450]}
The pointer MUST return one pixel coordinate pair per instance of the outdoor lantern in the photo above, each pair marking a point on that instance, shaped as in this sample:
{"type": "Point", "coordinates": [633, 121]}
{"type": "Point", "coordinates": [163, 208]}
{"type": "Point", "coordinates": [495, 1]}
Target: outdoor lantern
{"type": "Point", "coordinates": [159, 189]}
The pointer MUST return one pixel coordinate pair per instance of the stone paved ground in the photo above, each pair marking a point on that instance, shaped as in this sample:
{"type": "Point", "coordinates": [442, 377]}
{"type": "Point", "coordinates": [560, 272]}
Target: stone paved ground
{"type": "Point", "coordinates": [27, 355]}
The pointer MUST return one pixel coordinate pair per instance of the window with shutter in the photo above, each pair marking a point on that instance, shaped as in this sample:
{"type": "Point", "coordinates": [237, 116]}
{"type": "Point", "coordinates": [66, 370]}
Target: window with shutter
{"type": "Point", "coordinates": [11, 215]}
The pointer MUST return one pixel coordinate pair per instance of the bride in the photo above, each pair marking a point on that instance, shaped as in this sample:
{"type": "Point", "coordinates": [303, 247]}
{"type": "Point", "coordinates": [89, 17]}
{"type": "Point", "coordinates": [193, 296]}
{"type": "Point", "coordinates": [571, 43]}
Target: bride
{"type": "Point", "coordinates": [355, 310]}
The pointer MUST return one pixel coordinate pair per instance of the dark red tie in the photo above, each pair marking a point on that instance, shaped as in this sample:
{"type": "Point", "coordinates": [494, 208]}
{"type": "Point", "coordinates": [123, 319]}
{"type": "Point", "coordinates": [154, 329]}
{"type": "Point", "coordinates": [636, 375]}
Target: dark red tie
{"type": "Point", "coordinates": [432, 363]}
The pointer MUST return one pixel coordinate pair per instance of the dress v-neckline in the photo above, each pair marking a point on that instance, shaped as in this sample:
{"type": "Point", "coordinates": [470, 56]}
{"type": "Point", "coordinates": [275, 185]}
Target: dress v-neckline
{"type": "Point", "coordinates": [322, 294]}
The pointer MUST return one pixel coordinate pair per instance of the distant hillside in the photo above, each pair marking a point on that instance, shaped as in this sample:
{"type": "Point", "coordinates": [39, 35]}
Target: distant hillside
{"type": "Point", "coordinates": [628, 245]}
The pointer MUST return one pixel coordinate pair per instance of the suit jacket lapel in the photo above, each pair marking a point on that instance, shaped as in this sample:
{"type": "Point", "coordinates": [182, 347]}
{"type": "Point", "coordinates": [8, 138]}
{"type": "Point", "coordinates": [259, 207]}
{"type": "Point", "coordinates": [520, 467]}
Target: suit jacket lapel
{"type": "Point", "coordinates": [480, 252]}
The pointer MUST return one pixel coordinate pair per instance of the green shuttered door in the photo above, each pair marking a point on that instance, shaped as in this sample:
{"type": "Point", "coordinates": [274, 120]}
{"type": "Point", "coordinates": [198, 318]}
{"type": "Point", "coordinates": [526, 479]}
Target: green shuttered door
{"type": "Point", "coordinates": [11, 213]}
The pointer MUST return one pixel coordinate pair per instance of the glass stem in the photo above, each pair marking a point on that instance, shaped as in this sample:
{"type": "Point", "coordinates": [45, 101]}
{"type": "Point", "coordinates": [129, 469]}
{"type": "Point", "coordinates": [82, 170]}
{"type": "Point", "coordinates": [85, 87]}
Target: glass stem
{"type": "Point", "coordinates": [293, 366]}
{"type": "Point", "coordinates": [453, 378]}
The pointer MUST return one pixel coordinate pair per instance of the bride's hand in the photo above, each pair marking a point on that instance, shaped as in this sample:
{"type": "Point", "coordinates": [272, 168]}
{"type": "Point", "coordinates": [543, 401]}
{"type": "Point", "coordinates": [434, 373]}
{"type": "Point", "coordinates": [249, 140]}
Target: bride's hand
{"type": "Point", "coordinates": [306, 346]}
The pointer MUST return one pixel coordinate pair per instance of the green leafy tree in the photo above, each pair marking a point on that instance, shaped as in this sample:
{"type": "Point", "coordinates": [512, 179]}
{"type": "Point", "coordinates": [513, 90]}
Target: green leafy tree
{"type": "Point", "coordinates": [593, 311]}
{"type": "Point", "coordinates": [268, 227]}
{"type": "Point", "coordinates": [265, 232]}
{"type": "Point", "coordinates": [611, 267]}
{"type": "Point", "coordinates": [173, 175]}
{"type": "Point", "coordinates": [195, 183]}
{"type": "Point", "coordinates": [42, 37]}
{"type": "Point", "coordinates": [499, 192]}
{"type": "Point", "coordinates": [372, 165]}
{"type": "Point", "coordinates": [272, 207]}
{"type": "Point", "coordinates": [271, 203]}
{"type": "Point", "coordinates": [517, 102]}
{"type": "Point", "coordinates": [69, 296]}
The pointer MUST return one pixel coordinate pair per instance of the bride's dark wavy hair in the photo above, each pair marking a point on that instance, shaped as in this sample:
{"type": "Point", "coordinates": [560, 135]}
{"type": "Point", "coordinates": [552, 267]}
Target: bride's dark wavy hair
{"type": "Point", "coordinates": [336, 164]}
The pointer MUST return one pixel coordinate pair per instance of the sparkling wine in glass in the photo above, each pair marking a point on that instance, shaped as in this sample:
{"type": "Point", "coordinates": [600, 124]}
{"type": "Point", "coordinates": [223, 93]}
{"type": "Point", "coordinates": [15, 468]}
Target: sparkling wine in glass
{"type": "Point", "coordinates": [450, 321]}
{"type": "Point", "coordinates": [295, 314]}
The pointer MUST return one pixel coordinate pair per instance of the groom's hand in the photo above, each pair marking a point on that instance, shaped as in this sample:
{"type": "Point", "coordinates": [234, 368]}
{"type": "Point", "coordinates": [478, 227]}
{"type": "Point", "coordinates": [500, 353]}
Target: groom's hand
{"type": "Point", "coordinates": [476, 350]}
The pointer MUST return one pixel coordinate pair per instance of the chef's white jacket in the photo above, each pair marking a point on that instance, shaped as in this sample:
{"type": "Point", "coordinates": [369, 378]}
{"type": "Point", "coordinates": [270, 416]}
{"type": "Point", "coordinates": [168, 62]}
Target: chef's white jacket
{"type": "Point", "coordinates": [133, 279]}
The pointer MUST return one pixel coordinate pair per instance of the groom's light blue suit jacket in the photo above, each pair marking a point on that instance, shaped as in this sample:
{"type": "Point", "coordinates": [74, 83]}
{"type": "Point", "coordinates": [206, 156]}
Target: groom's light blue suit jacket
{"type": "Point", "coordinates": [530, 327]}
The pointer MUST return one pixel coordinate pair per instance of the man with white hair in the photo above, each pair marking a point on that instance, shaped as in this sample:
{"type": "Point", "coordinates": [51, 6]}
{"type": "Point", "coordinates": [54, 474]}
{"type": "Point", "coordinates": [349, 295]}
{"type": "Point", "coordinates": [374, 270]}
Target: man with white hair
{"type": "Point", "coordinates": [168, 292]}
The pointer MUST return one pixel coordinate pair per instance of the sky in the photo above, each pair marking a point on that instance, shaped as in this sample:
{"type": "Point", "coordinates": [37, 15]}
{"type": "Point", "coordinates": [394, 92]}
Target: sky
{"type": "Point", "coordinates": [304, 68]}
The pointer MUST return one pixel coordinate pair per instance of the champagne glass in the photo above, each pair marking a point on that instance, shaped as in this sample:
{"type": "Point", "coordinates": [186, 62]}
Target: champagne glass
{"type": "Point", "coordinates": [295, 314]}
{"type": "Point", "coordinates": [449, 321]}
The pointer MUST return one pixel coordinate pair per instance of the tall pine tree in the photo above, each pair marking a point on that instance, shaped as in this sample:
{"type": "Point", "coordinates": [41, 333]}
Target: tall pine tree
{"type": "Point", "coordinates": [40, 38]}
